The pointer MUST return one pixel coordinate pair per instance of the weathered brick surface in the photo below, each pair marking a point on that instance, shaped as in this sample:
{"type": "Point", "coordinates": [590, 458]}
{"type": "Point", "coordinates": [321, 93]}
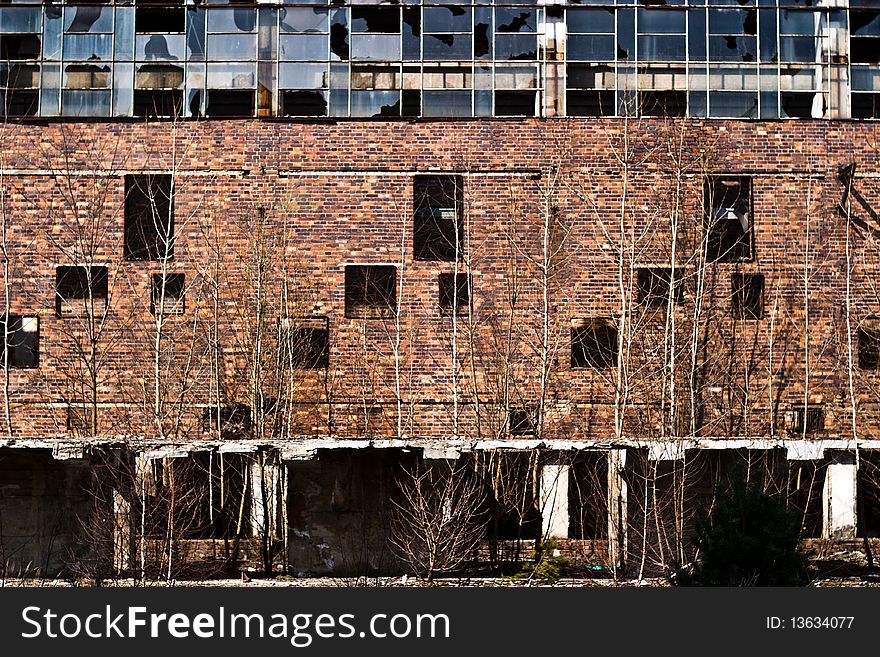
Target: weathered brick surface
{"type": "Point", "coordinates": [308, 198]}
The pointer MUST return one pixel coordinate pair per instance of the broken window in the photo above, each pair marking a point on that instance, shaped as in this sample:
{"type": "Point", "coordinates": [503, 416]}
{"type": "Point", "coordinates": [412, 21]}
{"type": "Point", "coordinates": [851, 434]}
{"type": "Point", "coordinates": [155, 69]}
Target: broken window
{"type": "Point", "coordinates": [370, 291]}
{"type": "Point", "coordinates": [806, 419]}
{"type": "Point", "coordinates": [437, 218]}
{"type": "Point", "coordinates": [308, 339]}
{"type": "Point", "coordinates": [22, 341]}
{"type": "Point", "coordinates": [230, 103]}
{"type": "Point", "coordinates": [865, 36]}
{"type": "Point", "coordinates": [376, 33]}
{"type": "Point", "coordinates": [654, 285]}
{"type": "Point", "coordinates": [521, 421]}
{"type": "Point", "coordinates": [590, 90]}
{"type": "Point", "coordinates": [748, 296]}
{"type": "Point", "coordinates": [732, 35]}
{"type": "Point", "coordinates": [149, 217]}
{"type": "Point", "coordinates": [728, 214]}
{"type": "Point", "coordinates": [516, 33]}
{"type": "Point", "coordinates": [20, 93]}
{"type": "Point", "coordinates": [594, 343]}
{"type": "Point", "coordinates": [79, 288]}
{"type": "Point", "coordinates": [232, 421]}
{"type": "Point", "coordinates": [662, 103]}
{"type": "Point", "coordinates": [167, 294]}
{"type": "Point", "coordinates": [454, 293]}
{"type": "Point", "coordinates": [869, 344]}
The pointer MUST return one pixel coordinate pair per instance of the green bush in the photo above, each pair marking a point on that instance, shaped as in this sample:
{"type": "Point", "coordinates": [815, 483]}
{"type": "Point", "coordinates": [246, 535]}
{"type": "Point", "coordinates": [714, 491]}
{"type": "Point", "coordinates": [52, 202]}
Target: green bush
{"type": "Point", "coordinates": [545, 567]}
{"type": "Point", "coordinates": [750, 538]}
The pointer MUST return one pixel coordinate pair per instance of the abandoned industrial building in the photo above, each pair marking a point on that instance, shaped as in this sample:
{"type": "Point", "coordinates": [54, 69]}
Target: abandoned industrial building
{"type": "Point", "coordinates": [330, 287]}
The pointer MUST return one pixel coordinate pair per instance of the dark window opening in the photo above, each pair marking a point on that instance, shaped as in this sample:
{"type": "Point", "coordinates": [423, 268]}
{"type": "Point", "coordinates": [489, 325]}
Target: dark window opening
{"type": "Point", "coordinates": [811, 417]}
{"type": "Point", "coordinates": [20, 46]}
{"type": "Point", "coordinates": [375, 19]}
{"type": "Point", "coordinates": [748, 296]}
{"type": "Point", "coordinates": [21, 103]}
{"type": "Point", "coordinates": [209, 491]}
{"type": "Point", "coordinates": [515, 103]}
{"type": "Point", "coordinates": [805, 481]}
{"type": "Point", "coordinates": [590, 103]}
{"type": "Point", "coordinates": [588, 497]}
{"type": "Point", "coordinates": [230, 103]}
{"type": "Point", "coordinates": [869, 344]}
{"type": "Point", "coordinates": [309, 343]}
{"type": "Point", "coordinates": [728, 214]}
{"type": "Point", "coordinates": [797, 104]}
{"type": "Point", "coordinates": [521, 421]}
{"type": "Point", "coordinates": [437, 221]}
{"type": "Point", "coordinates": [233, 421]}
{"type": "Point", "coordinates": [170, 298]}
{"type": "Point", "coordinates": [663, 103]}
{"type": "Point", "coordinates": [22, 341]}
{"type": "Point", "coordinates": [149, 217]}
{"type": "Point", "coordinates": [865, 106]}
{"type": "Point", "coordinates": [594, 344]}
{"type": "Point", "coordinates": [370, 291]}
{"type": "Point", "coordinates": [868, 493]}
{"type": "Point", "coordinates": [454, 293]}
{"type": "Point", "coordinates": [159, 19]}
{"type": "Point", "coordinates": [654, 285]}
{"type": "Point", "coordinates": [79, 283]}
{"type": "Point", "coordinates": [410, 102]}
{"type": "Point", "coordinates": [158, 103]}
{"type": "Point", "coordinates": [303, 103]}
{"type": "Point", "coordinates": [78, 418]}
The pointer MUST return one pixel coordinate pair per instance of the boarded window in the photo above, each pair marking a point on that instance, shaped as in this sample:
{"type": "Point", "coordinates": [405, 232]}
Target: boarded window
{"type": "Point", "coordinates": [149, 217]}
{"type": "Point", "coordinates": [869, 344]}
{"type": "Point", "coordinates": [167, 294]}
{"type": "Point", "coordinates": [78, 286]}
{"type": "Point", "coordinates": [308, 339]}
{"type": "Point", "coordinates": [728, 214]}
{"type": "Point", "coordinates": [594, 343]}
{"type": "Point", "coordinates": [22, 341]}
{"type": "Point", "coordinates": [748, 296]}
{"type": "Point", "coordinates": [437, 224]}
{"type": "Point", "coordinates": [806, 419]}
{"type": "Point", "coordinates": [370, 291]}
{"type": "Point", "coordinates": [454, 293]}
{"type": "Point", "coordinates": [654, 286]}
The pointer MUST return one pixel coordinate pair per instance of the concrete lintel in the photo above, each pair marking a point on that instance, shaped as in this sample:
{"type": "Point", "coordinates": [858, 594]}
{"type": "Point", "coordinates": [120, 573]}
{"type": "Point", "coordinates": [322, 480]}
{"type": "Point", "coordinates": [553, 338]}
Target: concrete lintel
{"type": "Point", "coordinates": [804, 450]}
{"type": "Point", "coordinates": [237, 448]}
{"type": "Point", "coordinates": [440, 453]}
{"type": "Point", "coordinates": [673, 450]}
{"type": "Point", "coordinates": [170, 453]}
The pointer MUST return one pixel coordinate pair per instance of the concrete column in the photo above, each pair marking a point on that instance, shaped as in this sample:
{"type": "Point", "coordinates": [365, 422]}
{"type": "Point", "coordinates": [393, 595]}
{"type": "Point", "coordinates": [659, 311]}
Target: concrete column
{"type": "Point", "coordinates": [122, 545]}
{"type": "Point", "coordinates": [265, 481]}
{"type": "Point", "coordinates": [554, 500]}
{"type": "Point", "coordinates": [839, 496]}
{"type": "Point", "coordinates": [617, 512]}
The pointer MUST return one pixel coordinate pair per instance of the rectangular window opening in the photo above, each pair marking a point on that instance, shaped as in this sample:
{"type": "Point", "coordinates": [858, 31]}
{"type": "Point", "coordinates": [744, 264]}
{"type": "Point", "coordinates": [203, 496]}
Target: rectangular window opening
{"type": "Point", "coordinates": [370, 291]}
{"type": "Point", "coordinates": [169, 297]}
{"type": "Point", "coordinates": [811, 417]}
{"type": "Point", "coordinates": [869, 344]}
{"type": "Point", "coordinates": [454, 293]}
{"type": "Point", "coordinates": [437, 219]}
{"type": "Point", "coordinates": [232, 420]}
{"type": "Point", "coordinates": [308, 339]}
{"type": "Point", "coordinates": [654, 283]}
{"type": "Point", "coordinates": [22, 341]}
{"type": "Point", "coordinates": [748, 296]}
{"type": "Point", "coordinates": [594, 343]}
{"type": "Point", "coordinates": [149, 217]}
{"type": "Point", "coordinates": [728, 215]}
{"type": "Point", "coordinates": [76, 286]}
{"type": "Point", "coordinates": [521, 421]}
